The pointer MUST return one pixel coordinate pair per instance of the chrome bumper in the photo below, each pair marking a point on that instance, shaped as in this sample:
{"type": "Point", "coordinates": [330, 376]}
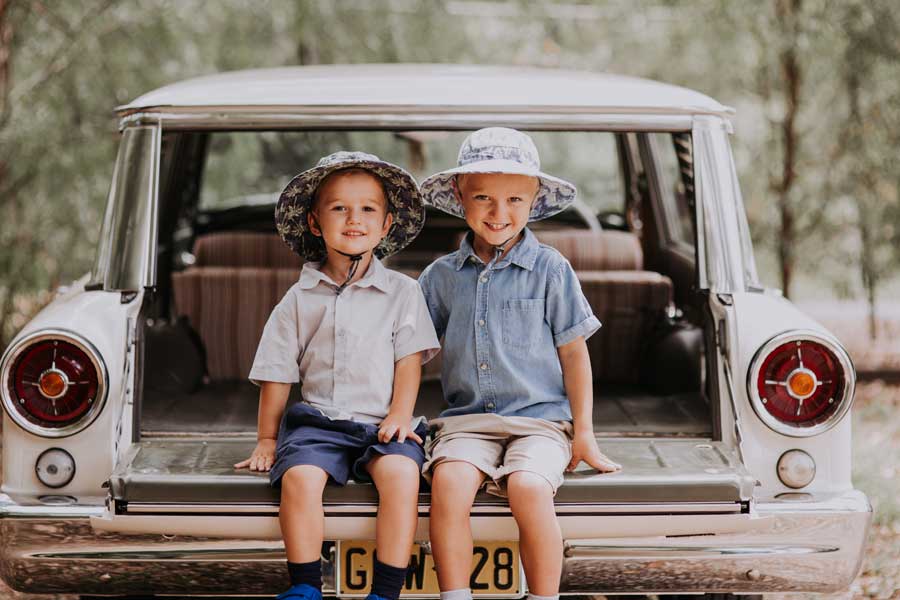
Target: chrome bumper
{"type": "Point", "coordinates": [802, 544]}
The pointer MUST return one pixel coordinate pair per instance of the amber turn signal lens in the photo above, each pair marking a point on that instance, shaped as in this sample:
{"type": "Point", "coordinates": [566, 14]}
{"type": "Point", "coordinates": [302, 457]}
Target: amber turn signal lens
{"type": "Point", "coordinates": [52, 385]}
{"type": "Point", "coordinates": [802, 384]}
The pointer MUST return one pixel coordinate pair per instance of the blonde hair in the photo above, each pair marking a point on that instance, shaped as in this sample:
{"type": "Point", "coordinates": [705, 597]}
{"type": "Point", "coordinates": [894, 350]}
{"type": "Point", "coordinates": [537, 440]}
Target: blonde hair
{"type": "Point", "coordinates": [461, 178]}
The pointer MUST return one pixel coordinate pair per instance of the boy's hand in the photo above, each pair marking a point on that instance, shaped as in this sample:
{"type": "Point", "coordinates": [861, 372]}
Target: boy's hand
{"type": "Point", "coordinates": [396, 426]}
{"type": "Point", "coordinates": [584, 448]}
{"type": "Point", "coordinates": [262, 458]}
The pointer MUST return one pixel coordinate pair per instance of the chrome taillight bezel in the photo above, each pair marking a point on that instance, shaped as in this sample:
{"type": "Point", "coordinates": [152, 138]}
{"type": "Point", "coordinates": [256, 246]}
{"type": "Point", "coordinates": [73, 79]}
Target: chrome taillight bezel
{"type": "Point", "coordinates": [9, 404]}
{"type": "Point", "coordinates": [846, 399]}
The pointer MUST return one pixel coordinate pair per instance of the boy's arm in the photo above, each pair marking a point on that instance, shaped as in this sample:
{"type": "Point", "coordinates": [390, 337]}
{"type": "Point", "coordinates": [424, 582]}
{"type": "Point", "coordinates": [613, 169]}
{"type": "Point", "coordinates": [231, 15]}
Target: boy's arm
{"type": "Point", "coordinates": [272, 400]}
{"type": "Point", "coordinates": [436, 309]}
{"type": "Point", "coordinates": [407, 373]}
{"type": "Point", "coordinates": [576, 370]}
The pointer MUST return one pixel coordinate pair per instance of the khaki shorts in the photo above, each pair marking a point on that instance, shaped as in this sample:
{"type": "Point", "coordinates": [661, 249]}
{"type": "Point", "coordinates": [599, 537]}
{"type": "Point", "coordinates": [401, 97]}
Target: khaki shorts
{"type": "Point", "coordinates": [499, 445]}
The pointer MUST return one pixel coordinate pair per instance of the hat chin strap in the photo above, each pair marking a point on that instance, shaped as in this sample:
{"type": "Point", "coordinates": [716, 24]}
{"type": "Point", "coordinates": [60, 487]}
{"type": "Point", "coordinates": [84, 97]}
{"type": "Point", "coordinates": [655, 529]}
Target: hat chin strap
{"type": "Point", "coordinates": [500, 248]}
{"type": "Point", "coordinates": [354, 265]}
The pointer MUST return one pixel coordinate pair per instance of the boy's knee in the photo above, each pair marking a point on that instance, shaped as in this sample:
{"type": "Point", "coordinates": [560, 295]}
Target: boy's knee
{"type": "Point", "coordinates": [456, 474]}
{"type": "Point", "coordinates": [397, 470]}
{"type": "Point", "coordinates": [303, 481]}
{"type": "Point", "coordinates": [524, 484]}
{"type": "Point", "coordinates": [455, 483]}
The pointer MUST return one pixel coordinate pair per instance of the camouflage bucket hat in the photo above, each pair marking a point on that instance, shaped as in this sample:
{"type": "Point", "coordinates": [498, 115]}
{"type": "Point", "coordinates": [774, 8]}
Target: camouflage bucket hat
{"type": "Point", "coordinates": [401, 190]}
{"type": "Point", "coordinates": [499, 150]}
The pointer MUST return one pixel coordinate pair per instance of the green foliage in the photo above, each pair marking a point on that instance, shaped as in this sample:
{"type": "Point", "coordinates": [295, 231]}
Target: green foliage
{"type": "Point", "coordinates": [71, 62]}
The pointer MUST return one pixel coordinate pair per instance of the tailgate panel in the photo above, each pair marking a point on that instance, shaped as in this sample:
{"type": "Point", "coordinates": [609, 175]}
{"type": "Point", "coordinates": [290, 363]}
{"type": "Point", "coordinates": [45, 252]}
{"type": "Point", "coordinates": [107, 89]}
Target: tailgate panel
{"type": "Point", "coordinates": [655, 471]}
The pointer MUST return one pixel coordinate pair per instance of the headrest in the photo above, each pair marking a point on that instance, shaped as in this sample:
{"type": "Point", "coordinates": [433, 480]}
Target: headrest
{"type": "Point", "coordinates": [596, 250]}
{"type": "Point", "coordinates": [244, 249]}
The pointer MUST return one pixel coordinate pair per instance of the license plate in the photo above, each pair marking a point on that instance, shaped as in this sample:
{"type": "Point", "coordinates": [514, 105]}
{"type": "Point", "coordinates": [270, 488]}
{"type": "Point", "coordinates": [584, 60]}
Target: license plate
{"type": "Point", "coordinates": [496, 571]}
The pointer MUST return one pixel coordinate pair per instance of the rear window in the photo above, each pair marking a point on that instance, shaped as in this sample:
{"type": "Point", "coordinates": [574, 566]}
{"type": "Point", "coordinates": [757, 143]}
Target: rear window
{"type": "Point", "coordinates": [247, 168]}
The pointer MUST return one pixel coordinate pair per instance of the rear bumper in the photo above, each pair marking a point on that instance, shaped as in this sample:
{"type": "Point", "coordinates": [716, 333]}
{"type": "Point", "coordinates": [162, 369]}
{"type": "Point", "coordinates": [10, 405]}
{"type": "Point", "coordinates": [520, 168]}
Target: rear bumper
{"type": "Point", "coordinates": [810, 544]}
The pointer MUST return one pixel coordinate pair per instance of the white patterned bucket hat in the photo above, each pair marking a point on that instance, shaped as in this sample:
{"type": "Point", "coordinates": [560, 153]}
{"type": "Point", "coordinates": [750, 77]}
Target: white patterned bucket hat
{"type": "Point", "coordinates": [499, 150]}
{"type": "Point", "coordinates": [401, 190]}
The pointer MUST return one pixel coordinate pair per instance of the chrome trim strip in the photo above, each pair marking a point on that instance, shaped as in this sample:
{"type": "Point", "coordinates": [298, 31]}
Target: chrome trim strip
{"type": "Point", "coordinates": [599, 509]}
{"type": "Point", "coordinates": [578, 550]}
{"type": "Point", "coordinates": [412, 118]}
{"type": "Point", "coordinates": [801, 335]}
{"type": "Point", "coordinates": [12, 353]}
{"type": "Point", "coordinates": [149, 277]}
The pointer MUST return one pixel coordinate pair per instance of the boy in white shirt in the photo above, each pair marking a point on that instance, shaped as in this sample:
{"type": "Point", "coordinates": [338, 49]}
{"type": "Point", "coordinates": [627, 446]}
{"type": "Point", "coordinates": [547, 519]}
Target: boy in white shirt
{"type": "Point", "coordinates": [356, 335]}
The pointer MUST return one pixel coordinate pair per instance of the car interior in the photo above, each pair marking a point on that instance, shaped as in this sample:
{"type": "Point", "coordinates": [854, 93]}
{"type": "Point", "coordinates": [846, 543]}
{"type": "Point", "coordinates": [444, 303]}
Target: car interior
{"type": "Point", "coordinates": [222, 268]}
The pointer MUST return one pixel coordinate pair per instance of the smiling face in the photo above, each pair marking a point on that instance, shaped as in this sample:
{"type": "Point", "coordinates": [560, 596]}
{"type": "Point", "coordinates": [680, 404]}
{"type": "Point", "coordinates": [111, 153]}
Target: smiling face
{"type": "Point", "coordinates": [350, 212]}
{"type": "Point", "coordinates": [496, 205]}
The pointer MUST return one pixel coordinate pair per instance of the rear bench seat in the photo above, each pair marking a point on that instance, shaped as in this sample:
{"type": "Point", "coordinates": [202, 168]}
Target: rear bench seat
{"type": "Point", "coordinates": [628, 300]}
{"type": "Point", "coordinates": [227, 295]}
{"type": "Point", "coordinates": [238, 278]}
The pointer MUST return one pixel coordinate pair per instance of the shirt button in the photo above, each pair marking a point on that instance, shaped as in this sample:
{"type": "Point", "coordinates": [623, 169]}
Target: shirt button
{"type": "Point", "coordinates": [484, 280]}
{"type": "Point", "coordinates": [483, 366]}
{"type": "Point", "coordinates": [481, 322]}
{"type": "Point", "coordinates": [490, 406]}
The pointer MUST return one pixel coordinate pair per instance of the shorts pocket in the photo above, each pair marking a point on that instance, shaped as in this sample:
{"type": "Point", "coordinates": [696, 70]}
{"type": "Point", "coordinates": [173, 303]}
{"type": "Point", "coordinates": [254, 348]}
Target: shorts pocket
{"type": "Point", "coordinates": [523, 322]}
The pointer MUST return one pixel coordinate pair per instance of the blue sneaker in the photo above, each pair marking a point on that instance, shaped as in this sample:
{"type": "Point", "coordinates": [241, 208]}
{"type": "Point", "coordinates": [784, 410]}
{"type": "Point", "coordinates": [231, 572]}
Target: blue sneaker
{"type": "Point", "coordinates": [301, 591]}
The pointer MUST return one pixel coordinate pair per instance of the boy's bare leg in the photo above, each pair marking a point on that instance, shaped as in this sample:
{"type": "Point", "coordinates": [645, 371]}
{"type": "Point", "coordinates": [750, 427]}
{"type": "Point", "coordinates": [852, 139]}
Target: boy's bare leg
{"type": "Point", "coordinates": [453, 489]}
{"type": "Point", "coordinates": [397, 479]}
{"type": "Point", "coordinates": [301, 516]}
{"type": "Point", "coordinates": [540, 538]}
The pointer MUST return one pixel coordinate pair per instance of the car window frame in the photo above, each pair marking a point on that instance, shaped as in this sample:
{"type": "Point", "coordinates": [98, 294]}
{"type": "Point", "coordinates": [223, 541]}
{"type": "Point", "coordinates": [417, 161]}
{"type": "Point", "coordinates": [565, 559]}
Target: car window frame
{"type": "Point", "coordinates": [669, 227]}
{"type": "Point", "coordinates": [125, 260]}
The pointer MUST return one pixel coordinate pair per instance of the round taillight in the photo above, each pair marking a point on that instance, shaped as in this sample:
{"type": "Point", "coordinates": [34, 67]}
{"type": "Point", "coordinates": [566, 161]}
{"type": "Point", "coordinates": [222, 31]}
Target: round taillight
{"type": "Point", "coordinates": [801, 384]}
{"type": "Point", "coordinates": [54, 384]}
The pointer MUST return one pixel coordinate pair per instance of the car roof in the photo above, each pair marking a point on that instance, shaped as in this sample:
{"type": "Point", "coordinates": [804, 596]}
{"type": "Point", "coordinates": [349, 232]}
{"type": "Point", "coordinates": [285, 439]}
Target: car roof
{"type": "Point", "coordinates": [435, 86]}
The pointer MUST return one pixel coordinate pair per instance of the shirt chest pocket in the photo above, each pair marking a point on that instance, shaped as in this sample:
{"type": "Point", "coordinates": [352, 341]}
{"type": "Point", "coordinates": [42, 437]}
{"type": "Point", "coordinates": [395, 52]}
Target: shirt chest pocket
{"type": "Point", "coordinates": [523, 323]}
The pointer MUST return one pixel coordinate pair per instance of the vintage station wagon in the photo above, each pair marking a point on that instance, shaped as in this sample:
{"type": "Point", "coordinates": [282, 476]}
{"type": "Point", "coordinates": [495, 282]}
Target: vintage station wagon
{"type": "Point", "coordinates": [126, 400]}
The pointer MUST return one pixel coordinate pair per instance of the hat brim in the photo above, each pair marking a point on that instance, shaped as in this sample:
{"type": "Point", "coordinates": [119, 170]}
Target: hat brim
{"type": "Point", "coordinates": [554, 195]}
{"type": "Point", "coordinates": [403, 198]}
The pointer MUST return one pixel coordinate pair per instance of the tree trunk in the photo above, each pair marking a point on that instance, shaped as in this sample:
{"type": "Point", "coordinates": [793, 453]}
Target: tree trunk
{"type": "Point", "coordinates": [864, 183]}
{"type": "Point", "coordinates": [6, 37]}
{"type": "Point", "coordinates": [791, 74]}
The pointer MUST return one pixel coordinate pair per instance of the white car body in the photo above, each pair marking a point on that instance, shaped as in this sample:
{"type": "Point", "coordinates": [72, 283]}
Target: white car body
{"type": "Point", "coordinates": [80, 539]}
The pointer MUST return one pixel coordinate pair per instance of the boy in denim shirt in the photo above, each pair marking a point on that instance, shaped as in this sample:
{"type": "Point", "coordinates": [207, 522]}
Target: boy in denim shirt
{"type": "Point", "coordinates": [516, 372]}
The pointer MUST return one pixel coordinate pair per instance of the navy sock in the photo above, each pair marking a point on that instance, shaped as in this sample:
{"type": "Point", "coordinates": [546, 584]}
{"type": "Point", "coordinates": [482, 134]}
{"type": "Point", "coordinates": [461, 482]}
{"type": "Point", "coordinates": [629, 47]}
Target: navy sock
{"type": "Point", "coordinates": [309, 573]}
{"type": "Point", "coordinates": [387, 580]}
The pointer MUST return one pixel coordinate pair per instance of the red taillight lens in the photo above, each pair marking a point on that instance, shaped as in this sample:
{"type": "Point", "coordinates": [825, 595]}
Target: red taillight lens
{"type": "Point", "coordinates": [52, 384]}
{"type": "Point", "coordinates": [801, 386]}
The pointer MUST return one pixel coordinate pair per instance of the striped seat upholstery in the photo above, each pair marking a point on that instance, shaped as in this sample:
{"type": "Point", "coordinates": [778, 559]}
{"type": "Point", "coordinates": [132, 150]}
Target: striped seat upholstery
{"type": "Point", "coordinates": [629, 304]}
{"type": "Point", "coordinates": [596, 250]}
{"type": "Point", "coordinates": [245, 249]}
{"type": "Point", "coordinates": [228, 293]}
{"type": "Point", "coordinates": [628, 300]}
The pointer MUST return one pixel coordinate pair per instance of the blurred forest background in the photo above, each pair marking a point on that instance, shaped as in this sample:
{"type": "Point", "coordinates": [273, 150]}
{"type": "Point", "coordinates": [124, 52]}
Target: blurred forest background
{"type": "Point", "coordinates": [816, 85]}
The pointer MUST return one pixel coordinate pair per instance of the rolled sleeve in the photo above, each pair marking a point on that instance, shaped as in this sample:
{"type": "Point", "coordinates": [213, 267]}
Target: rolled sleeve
{"type": "Point", "coordinates": [568, 311]}
{"type": "Point", "coordinates": [279, 347]}
{"type": "Point", "coordinates": [414, 330]}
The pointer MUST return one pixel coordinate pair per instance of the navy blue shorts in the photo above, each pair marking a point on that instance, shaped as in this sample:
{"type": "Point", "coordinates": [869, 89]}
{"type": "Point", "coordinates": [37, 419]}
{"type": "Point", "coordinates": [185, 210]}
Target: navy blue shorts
{"type": "Point", "coordinates": [338, 447]}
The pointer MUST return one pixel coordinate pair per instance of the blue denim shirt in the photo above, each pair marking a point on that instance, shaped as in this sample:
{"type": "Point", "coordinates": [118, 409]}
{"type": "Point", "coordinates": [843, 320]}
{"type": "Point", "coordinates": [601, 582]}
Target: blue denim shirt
{"type": "Point", "coordinates": [501, 324]}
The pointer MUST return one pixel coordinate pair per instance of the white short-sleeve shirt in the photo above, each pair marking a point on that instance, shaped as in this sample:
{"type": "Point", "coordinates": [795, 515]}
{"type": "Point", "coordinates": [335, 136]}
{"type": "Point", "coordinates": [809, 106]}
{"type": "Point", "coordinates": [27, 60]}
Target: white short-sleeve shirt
{"type": "Point", "coordinates": [343, 347]}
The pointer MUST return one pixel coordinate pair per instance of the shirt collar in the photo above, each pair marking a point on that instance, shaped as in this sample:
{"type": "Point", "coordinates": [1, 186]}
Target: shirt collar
{"type": "Point", "coordinates": [523, 254]}
{"type": "Point", "coordinates": [376, 276]}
